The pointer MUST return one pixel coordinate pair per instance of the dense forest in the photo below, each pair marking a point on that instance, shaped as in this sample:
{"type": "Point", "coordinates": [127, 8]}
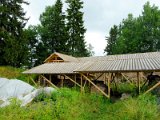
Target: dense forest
{"type": "Point", "coordinates": [57, 31]}
{"type": "Point", "coordinates": [64, 32]}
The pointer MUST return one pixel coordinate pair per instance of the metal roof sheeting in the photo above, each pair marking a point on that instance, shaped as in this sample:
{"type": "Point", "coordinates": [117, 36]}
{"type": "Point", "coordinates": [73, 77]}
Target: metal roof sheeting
{"type": "Point", "coordinates": [122, 65]}
{"type": "Point", "coordinates": [112, 63]}
{"type": "Point", "coordinates": [55, 68]}
{"type": "Point", "coordinates": [123, 56]}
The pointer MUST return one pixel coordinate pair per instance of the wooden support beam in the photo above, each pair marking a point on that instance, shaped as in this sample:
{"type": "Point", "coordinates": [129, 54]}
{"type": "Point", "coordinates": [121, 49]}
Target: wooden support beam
{"type": "Point", "coordinates": [95, 85]}
{"type": "Point", "coordinates": [33, 81]}
{"type": "Point", "coordinates": [49, 82]}
{"type": "Point", "coordinates": [75, 78]}
{"type": "Point", "coordinates": [108, 84]}
{"type": "Point", "coordinates": [153, 87]}
{"type": "Point", "coordinates": [81, 84]}
{"type": "Point", "coordinates": [84, 84]}
{"type": "Point", "coordinates": [126, 78]}
{"type": "Point", "coordinates": [72, 80]}
{"type": "Point", "coordinates": [50, 78]}
{"type": "Point", "coordinates": [138, 82]}
{"type": "Point", "coordinates": [99, 76]}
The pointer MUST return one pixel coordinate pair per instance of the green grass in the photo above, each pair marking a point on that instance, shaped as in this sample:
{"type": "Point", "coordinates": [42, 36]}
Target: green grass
{"type": "Point", "coordinates": [70, 104]}
{"type": "Point", "coordinates": [67, 104]}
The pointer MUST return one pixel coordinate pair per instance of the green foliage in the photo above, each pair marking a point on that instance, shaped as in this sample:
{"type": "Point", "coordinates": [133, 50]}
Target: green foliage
{"type": "Point", "coordinates": [31, 34]}
{"type": "Point", "coordinates": [13, 44]}
{"type": "Point", "coordinates": [140, 34]}
{"type": "Point", "coordinates": [76, 29]}
{"type": "Point", "coordinates": [52, 32]}
{"type": "Point", "coordinates": [67, 104]}
{"type": "Point", "coordinates": [15, 73]}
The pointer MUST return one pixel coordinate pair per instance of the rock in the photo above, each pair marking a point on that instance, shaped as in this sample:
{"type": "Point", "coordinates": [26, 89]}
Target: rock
{"type": "Point", "coordinates": [125, 96]}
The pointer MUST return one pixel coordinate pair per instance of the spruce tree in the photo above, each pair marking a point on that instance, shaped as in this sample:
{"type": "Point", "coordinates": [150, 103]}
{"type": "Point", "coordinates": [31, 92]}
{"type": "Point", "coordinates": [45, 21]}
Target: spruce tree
{"type": "Point", "coordinates": [52, 31]}
{"type": "Point", "coordinates": [31, 34]}
{"type": "Point", "coordinates": [111, 40]}
{"type": "Point", "coordinates": [13, 45]}
{"type": "Point", "coordinates": [75, 27]}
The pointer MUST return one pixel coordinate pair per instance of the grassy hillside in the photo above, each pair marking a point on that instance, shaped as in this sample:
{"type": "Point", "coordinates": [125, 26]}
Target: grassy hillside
{"type": "Point", "coordinates": [13, 73]}
{"type": "Point", "coordinates": [67, 104]}
{"type": "Point", "coordinates": [70, 104]}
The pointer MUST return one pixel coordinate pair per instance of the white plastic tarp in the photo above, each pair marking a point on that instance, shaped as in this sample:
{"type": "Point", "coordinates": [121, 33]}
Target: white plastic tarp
{"type": "Point", "coordinates": [18, 89]}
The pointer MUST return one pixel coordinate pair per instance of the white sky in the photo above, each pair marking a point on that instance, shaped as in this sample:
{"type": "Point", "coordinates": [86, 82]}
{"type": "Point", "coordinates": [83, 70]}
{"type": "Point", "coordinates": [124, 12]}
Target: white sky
{"type": "Point", "coordinates": [99, 16]}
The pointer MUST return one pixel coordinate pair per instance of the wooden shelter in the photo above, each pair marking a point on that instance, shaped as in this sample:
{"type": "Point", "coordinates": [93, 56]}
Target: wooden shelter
{"type": "Point", "coordinates": [87, 69]}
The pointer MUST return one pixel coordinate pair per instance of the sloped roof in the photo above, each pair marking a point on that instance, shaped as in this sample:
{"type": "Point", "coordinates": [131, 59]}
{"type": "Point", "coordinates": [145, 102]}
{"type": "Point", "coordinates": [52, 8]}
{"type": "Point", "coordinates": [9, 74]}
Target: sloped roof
{"type": "Point", "coordinates": [56, 68]}
{"type": "Point", "coordinates": [123, 65]}
{"type": "Point", "coordinates": [112, 63]}
{"type": "Point", "coordinates": [66, 58]}
{"type": "Point", "coordinates": [121, 56]}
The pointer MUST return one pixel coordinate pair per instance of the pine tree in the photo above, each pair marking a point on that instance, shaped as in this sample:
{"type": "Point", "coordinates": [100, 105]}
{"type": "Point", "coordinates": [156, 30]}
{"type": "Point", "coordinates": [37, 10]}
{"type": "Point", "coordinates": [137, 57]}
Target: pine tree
{"type": "Point", "coordinates": [76, 28]}
{"type": "Point", "coordinates": [13, 45]}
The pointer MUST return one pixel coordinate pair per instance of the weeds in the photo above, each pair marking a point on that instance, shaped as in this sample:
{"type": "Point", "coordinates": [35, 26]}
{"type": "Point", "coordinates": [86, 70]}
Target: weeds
{"type": "Point", "coordinates": [67, 104]}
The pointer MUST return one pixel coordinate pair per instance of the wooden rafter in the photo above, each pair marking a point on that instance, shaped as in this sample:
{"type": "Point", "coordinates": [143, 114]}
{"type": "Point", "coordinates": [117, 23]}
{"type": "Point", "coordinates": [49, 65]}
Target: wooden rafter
{"type": "Point", "coordinates": [108, 96]}
{"type": "Point", "coordinates": [49, 81]}
{"type": "Point", "coordinates": [126, 78]}
{"type": "Point", "coordinates": [72, 80]}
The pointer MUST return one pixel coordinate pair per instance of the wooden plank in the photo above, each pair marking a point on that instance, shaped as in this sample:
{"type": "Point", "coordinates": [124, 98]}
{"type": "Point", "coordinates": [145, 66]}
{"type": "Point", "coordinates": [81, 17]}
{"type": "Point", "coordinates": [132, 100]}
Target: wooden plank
{"type": "Point", "coordinates": [156, 85]}
{"type": "Point", "coordinates": [95, 85]}
{"type": "Point", "coordinates": [75, 78]}
{"type": "Point", "coordinates": [138, 82]}
{"type": "Point", "coordinates": [62, 81]}
{"type": "Point", "coordinates": [72, 80]}
{"type": "Point", "coordinates": [81, 84]}
{"type": "Point", "coordinates": [126, 78]}
{"type": "Point", "coordinates": [50, 78]}
{"type": "Point", "coordinates": [49, 82]}
{"type": "Point", "coordinates": [108, 84]}
{"type": "Point", "coordinates": [33, 81]}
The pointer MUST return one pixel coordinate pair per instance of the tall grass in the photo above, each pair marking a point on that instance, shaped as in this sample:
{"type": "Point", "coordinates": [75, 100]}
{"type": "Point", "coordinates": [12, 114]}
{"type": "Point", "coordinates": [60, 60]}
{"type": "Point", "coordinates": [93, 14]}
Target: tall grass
{"type": "Point", "coordinates": [67, 104]}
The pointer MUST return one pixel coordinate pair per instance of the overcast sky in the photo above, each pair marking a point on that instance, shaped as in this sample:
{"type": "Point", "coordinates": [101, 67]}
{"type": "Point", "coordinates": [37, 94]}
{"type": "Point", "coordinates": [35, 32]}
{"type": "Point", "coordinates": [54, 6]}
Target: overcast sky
{"type": "Point", "coordinates": [99, 16]}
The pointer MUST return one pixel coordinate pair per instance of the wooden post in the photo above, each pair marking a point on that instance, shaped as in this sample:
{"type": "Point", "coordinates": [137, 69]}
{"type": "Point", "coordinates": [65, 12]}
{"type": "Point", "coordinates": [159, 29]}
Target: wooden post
{"type": "Point", "coordinates": [95, 86]}
{"type": "Point", "coordinates": [81, 84]}
{"type": "Point", "coordinates": [50, 77]}
{"type": "Point", "coordinates": [138, 83]}
{"type": "Point", "coordinates": [75, 78]}
{"type": "Point", "coordinates": [62, 78]}
{"type": "Point", "coordinates": [109, 82]}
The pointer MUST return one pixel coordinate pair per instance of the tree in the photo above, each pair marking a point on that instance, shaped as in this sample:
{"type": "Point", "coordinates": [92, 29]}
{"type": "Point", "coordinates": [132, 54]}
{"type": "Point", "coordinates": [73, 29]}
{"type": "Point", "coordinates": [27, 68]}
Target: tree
{"type": "Point", "coordinates": [13, 45]}
{"type": "Point", "coordinates": [52, 31]}
{"type": "Point", "coordinates": [111, 40]}
{"type": "Point", "coordinates": [141, 34]}
{"type": "Point", "coordinates": [32, 36]}
{"type": "Point", "coordinates": [90, 50]}
{"type": "Point", "coordinates": [150, 28]}
{"type": "Point", "coordinates": [76, 29]}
